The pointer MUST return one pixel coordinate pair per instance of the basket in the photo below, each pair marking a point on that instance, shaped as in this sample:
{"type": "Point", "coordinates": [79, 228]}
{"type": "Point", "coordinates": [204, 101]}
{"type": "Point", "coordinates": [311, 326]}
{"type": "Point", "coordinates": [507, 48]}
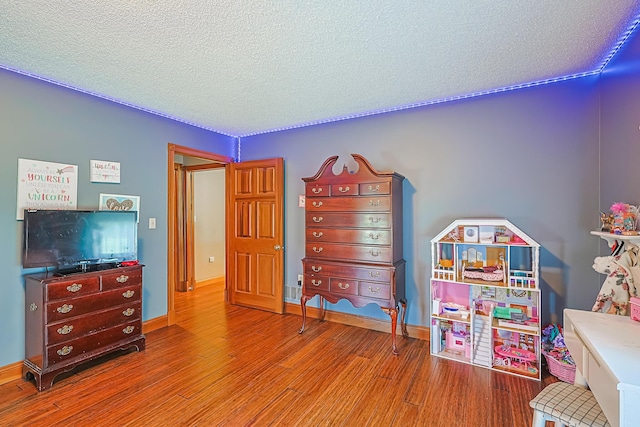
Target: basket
{"type": "Point", "coordinates": [562, 371]}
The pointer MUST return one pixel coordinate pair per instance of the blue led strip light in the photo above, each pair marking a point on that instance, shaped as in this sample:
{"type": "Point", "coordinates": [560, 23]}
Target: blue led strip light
{"type": "Point", "coordinates": [117, 101]}
{"type": "Point", "coordinates": [599, 69]}
{"type": "Point", "coordinates": [621, 41]}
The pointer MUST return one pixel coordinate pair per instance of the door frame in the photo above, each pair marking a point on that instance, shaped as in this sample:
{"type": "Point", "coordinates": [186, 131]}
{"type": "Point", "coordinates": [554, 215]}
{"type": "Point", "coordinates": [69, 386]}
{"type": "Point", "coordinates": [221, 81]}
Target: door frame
{"type": "Point", "coordinates": [172, 151]}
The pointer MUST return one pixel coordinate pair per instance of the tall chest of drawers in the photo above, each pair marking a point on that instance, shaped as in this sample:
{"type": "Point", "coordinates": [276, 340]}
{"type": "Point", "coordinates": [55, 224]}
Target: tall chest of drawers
{"type": "Point", "coordinates": [75, 318]}
{"type": "Point", "coordinates": [353, 239]}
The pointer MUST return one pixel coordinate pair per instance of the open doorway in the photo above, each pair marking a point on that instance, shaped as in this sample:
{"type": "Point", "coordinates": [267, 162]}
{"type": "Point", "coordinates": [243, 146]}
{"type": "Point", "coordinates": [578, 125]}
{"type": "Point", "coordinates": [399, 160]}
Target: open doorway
{"type": "Point", "coordinates": [196, 217]}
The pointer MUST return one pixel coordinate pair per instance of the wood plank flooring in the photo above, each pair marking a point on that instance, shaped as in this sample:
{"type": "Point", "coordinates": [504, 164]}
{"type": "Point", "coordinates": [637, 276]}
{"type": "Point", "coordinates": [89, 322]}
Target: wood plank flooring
{"type": "Point", "coordinates": [224, 365]}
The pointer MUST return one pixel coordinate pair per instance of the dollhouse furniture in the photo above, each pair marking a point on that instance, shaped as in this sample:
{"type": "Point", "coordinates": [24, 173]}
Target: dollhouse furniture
{"type": "Point", "coordinates": [353, 240]}
{"type": "Point", "coordinates": [567, 405]}
{"type": "Point", "coordinates": [606, 350]}
{"type": "Point", "coordinates": [484, 271]}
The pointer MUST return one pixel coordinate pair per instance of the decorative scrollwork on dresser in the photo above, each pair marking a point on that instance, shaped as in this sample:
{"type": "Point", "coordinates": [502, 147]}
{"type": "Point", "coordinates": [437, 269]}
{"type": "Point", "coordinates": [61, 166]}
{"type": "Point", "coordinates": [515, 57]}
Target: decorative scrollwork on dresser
{"type": "Point", "coordinates": [353, 237]}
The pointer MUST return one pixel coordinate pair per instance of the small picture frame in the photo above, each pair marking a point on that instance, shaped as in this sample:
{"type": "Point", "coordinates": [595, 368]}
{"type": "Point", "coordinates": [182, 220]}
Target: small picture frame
{"type": "Point", "coordinates": [471, 234]}
{"type": "Point", "coordinates": [118, 202]}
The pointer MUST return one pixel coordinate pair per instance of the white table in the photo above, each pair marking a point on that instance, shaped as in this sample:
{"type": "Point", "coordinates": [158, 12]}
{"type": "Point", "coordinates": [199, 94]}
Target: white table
{"type": "Point", "coordinates": [606, 349]}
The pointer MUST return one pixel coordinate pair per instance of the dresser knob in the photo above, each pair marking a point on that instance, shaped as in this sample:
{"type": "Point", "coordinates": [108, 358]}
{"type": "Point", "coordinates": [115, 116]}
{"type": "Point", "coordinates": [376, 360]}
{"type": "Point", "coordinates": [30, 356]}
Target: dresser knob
{"type": "Point", "coordinates": [372, 188]}
{"type": "Point", "coordinates": [65, 329]}
{"type": "Point", "coordinates": [128, 329]}
{"type": "Point", "coordinates": [374, 291]}
{"type": "Point", "coordinates": [375, 219]}
{"type": "Point", "coordinates": [128, 312]}
{"type": "Point", "coordinates": [318, 234]}
{"type": "Point", "coordinates": [122, 279]}
{"type": "Point", "coordinates": [376, 203]}
{"type": "Point", "coordinates": [64, 351]}
{"type": "Point", "coordinates": [317, 219]}
{"type": "Point", "coordinates": [316, 269]}
{"type": "Point", "coordinates": [128, 294]}
{"type": "Point", "coordinates": [343, 285]}
{"type": "Point", "coordinates": [65, 308]}
{"type": "Point", "coordinates": [374, 253]}
{"type": "Point", "coordinates": [75, 287]}
{"type": "Point", "coordinates": [33, 306]}
{"type": "Point", "coordinates": [317, 250]}
{"type": "Point", "coordinates": [374, 236]}
{"type": "Point", "coordinates": [343, 190]}
{"type": "Point", "coordinates": [374, 273]}
{"type": "Point", "coordinates": [316, 190]}
{"type": "Point", "coordinates": [316, 283]}
{"type": "Point", "coordinates": [317, 204]}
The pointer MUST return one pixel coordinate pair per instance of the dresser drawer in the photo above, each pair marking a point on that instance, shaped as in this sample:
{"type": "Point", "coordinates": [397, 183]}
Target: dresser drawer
{"type": "Point", "coordinates": [343, 286]}
{"type": "Point", "coordinates": [120, 279]}
{"type": "Point", "coordinates": [72, 288]}
{"type": "Point", "coordinates": [76, 306]}
{"type": "Point", "coordinates": [362, 236]}
{"type": "Point", "coordinates": [70, 350]}
{"type": "Point", "coordinates": [368, 188]}
{"type": "Point", "coordinates": [338, 190]}
{"type": "Point", "coordinates": [356, 220]}
{"type": "Point", "coordinates": [317, 190]}
{"type": "Point", "coordinates": [374, 290]}
{"type": "Point", "coordinates": [316, 282]}
{"type": "Point", "coordinates": [82, 325]}
{"type": "Point", "coordinates": [314, 267]}
{"type": "Point", "coordinates": [362, 204]}
{"type": "Point", "coordinates": [378, 254]}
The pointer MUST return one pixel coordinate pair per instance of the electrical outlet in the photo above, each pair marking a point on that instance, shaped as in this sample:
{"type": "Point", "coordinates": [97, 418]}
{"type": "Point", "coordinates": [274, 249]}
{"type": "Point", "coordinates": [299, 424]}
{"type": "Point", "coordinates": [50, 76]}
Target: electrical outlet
{"type": "Point", "coordinates": [300, 277]}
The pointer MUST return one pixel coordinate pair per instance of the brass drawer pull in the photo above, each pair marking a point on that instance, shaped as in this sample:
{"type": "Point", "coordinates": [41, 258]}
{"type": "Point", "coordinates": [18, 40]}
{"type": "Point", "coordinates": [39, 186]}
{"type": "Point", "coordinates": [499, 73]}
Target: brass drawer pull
{"type": "Point", "coordinates": [122, 279]}
{"type": "Point", "coordinates": [343, 190]}
{"type": "Point", "coordinates": [374, 236]}
{"type": "Point", "coordinates": [317, 219]}
{"type": "Point", "coordinates": [317, 250]}
{"type": "Point", "coordinates": [374, 253]}
{"type": "Point", "coordinates": [33, 306]}
{"type": "Point", "coordinates": [316, 204]}
{"type": "Point", "coordinates": [75, 287]}
{"type": "Point", "coordinates": [376, 203]}
{"type": "Point", "coordinates": [65, 308]}
{"type": "Point", "coordinates": [316, 190]}
{"type": "Point", "coordinates": [374, 291]}
{"type": "Point", "coordinates": [128, 294]}
{"type": "Point", "coordinates": [128, 329]}
{"type": "Point", "coordinates": [343, 286]}
{"type": "Point", "coordinates": [374, 274]}
{"type": "Point", "coordinates": [314, 283]}
{"type": "Point", "coordinates": [65, 329]}
{"type": "Point", "coordinates": [316, 269]}
{"type": "Point", "coordinates": [64, 351]}
{"type": "Point", "coordinates": [372, 188]}
{"type": "Point", "coordinates": [128, 312]}
{"type": "Point", "coordinates": [375, 219]}
{"type": "Point", "coordinates": [320, 234]}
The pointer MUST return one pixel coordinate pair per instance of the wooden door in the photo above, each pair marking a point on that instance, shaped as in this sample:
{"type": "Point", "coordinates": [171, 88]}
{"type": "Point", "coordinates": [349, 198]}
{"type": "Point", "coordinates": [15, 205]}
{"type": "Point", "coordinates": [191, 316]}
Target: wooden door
{"type": "Point", "coordinates": [255, 252]}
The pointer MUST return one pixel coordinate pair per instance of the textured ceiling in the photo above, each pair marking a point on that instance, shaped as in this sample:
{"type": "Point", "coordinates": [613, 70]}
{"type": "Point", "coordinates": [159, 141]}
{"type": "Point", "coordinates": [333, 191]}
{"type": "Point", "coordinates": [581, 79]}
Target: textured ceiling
{"type": "Point", "coordinates": [248, 66]}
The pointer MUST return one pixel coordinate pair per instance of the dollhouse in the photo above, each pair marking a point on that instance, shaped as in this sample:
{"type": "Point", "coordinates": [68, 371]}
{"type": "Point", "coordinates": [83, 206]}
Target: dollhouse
{"type": "Point", "coordinates": [485, 296]}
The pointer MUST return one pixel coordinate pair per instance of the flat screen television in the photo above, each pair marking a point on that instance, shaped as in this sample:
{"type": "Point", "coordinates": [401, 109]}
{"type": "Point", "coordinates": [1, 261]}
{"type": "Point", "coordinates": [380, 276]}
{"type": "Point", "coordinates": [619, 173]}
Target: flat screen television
{"type": "Point", "coordinates": [79, 240]}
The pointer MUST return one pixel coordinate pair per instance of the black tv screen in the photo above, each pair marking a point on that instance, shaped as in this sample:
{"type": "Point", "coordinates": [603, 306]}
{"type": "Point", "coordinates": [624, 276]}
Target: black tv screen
{"type": "Point", "coordinates": [70, 239]}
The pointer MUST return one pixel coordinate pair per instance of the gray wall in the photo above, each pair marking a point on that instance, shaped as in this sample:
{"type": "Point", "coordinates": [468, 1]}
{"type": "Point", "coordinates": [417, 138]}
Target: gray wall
{"type": "Point", "coordinates": [530, 156]}
{"type": "Point", "coordinates": [45, 122]}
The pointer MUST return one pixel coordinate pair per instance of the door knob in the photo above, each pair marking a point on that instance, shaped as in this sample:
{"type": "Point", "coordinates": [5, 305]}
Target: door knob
{"type": "Point", "coordinates": [277, 247]}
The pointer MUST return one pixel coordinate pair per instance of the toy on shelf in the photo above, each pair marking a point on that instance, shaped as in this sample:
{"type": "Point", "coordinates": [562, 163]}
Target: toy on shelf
{"type": "Point", "coordinates": [619, 285]}
{"type": "Point", "coordinates": [625, 217]}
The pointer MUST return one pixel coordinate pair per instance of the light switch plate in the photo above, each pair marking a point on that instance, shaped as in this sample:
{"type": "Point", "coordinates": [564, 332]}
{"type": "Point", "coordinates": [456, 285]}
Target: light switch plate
{"type": "Point", "coordinates": [152, 223]}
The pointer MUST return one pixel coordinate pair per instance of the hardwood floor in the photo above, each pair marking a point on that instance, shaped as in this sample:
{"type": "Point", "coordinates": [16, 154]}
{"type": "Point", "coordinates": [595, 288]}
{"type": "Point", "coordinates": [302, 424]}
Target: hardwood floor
{"type": "Point", "coordinates": [231, 366]}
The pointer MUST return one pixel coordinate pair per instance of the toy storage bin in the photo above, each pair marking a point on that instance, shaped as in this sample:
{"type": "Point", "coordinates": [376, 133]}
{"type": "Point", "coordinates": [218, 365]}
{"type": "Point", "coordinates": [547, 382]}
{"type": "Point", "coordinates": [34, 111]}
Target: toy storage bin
{"type": "Point", "coordinates": [562, 371]}
{"type": "Point", "coordinates": [635, 308]}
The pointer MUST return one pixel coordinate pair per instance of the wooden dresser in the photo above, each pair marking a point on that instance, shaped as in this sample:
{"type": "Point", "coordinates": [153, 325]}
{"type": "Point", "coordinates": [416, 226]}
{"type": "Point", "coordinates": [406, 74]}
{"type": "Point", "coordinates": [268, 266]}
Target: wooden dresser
{"type": "Point", "coordinates": [75, 318]}
{"type": "Point", "coordinates": [353, 239]}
